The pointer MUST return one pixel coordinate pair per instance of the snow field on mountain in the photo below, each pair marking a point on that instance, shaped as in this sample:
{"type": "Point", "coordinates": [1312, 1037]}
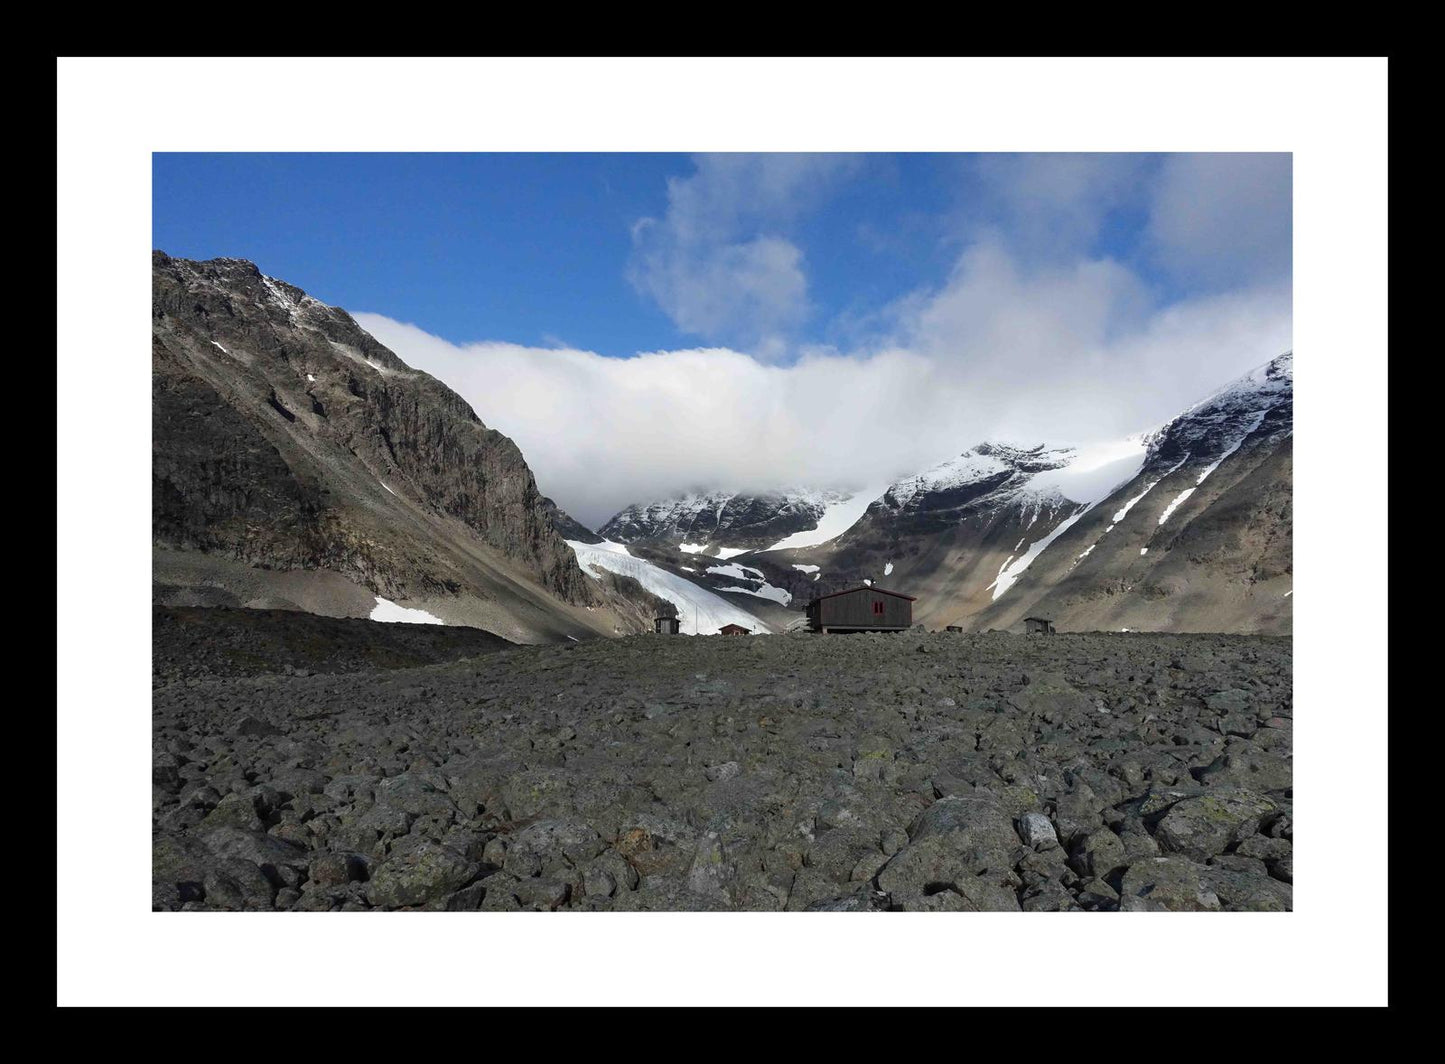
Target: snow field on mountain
{"type": "Point", "coordinates": [699, 611]}
{"type": "Point", "coordinates": [837, 519]}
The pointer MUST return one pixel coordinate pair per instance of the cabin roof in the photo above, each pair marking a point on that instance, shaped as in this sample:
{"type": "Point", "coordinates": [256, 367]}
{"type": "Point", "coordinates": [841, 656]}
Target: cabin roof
{"type": "Point", "coordinates": [866, 587]}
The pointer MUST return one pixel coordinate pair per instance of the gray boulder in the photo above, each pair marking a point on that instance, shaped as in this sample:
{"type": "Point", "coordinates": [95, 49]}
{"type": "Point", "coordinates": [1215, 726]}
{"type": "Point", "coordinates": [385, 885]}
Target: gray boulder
{"type": "Point", "coordinates": [1037, 831]}
{"type": "Point", "coordinates": [1098, 855]}
{"type": "Point", "coordinates": [1201, 827]}
{"type": "Point", "coordinates": [1166, 884]}
{"type": "Point", "coordinates": [551, 843]}
{"type": "Point", "coordinates": [421, 874]}
{"type": "Point", "coordinates": [959, 845]}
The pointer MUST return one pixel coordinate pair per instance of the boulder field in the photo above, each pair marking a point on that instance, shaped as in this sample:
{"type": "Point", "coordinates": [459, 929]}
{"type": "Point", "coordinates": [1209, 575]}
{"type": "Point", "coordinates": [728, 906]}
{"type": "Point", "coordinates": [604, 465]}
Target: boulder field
{"type": "Point", "coordinates": [870, 773]}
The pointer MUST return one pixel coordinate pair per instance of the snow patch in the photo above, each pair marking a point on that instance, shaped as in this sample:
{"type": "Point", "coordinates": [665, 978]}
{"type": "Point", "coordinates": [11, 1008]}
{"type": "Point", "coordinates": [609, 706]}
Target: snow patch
{"type": "Point", "coordinates": [1124, 510]}
{"type": "Point", "coordinates": [311, 377]}
{"type": "Point", "coordinates": [837, 519]}
{"type": "Point", "coordinates": [806, 568]}
{"type": "Point", "coordinates": [1001, 568]}
{"type": "Point", "coordinates": [767, 591]}
{"type": "Point", "coordinates": [730, 552]}
{"type": "Point", "coordinates": [223, 350]}
{"type": "Point", "coordinates": [743, 572]}
{"type": "Point", "coordinates": [692, 548]}
{"type": "Point", "coordinates": [1009, 576]}
{"type": "Point", "coordinates": [386, 610]}
{"type": "Point", "coordinates": [888, 569]}
{"type": "Point", "coordinates": [387, 486]}
{"type": "Point", "coordinates": [1143, 551]}
{"type": "Point", "coordinates": [1178, 501]}
{"type": "Point", "coordinates": [737, 572]}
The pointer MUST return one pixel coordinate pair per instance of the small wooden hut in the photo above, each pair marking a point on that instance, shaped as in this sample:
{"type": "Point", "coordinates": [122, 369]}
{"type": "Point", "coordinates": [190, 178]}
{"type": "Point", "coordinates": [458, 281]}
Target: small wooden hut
{"type": "Point", "coordinates": [861, 609]}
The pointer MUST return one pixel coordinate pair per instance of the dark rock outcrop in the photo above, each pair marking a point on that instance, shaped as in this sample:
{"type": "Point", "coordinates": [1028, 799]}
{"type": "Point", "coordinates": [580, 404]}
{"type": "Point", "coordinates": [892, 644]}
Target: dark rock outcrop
{"type": "Point", "coordinates": [285, 437]}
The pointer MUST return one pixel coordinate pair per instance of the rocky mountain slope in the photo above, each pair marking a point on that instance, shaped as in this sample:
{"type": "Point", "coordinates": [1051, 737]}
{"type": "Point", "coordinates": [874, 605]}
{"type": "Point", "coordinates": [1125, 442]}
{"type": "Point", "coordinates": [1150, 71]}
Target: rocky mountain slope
{"type": "Point", "coordinates": [1184, 528]}
{"type": "Point", "coordinates": [567, 526]}
{"type": "Point", "coordinates": [1201, 539]}
{"type": "Point", "coordinates": [298, 463]}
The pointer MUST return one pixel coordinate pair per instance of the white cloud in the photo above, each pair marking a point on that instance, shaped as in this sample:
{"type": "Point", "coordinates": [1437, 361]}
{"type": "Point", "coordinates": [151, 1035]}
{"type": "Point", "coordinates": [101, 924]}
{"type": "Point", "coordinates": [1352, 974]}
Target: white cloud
{"type": "Point", "coordinates": [1224, 219]}
{"type": "Point", "coordinates": [1068, 355]}
{"type": "Point", "coordinates": [1055, 203]}
{"type": "Point", "coordinates": [1036, 335]}
{"type": "Point", "coordinates": [718, 262]}
{"type": "Point", "coordinates": [756, 290]}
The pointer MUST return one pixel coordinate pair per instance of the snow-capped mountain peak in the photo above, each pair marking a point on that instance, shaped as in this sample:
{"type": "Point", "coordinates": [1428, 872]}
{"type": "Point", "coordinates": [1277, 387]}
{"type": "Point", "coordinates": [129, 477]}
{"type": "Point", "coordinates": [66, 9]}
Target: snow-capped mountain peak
{"type": "Point", "coordinates": [723, 522]}
{"type": "Point", "coordinates": [992, 475]}
{"type": "Point", "coordinates": [1260, 402]}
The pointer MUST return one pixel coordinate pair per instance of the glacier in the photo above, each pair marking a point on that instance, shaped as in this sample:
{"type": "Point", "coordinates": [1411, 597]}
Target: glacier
{"type": "Point", "coordinates": [699, 611]}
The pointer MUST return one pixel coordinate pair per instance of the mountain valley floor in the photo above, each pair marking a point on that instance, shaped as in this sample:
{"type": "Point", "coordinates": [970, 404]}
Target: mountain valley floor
{"type": "Point", "coordinates": [920, 771]}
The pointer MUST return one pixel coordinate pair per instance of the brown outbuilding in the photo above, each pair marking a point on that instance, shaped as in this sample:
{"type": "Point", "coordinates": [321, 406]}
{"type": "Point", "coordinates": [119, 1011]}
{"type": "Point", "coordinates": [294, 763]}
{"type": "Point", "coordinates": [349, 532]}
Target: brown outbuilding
{"type": "Point", "coordinates": [733, 629]}
{"type": "Point", "coordinates": [665, 625]}
{"type": "Point", "coordinates": [861, 609]}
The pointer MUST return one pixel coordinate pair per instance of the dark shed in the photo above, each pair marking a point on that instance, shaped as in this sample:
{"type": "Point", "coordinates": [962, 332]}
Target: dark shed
{"type": "Point", "coordinates": [665, 625]}
{"type": "Point", "coordinates": [1038, 626]}
{"type": "Point", "coordinates": [861, 609]}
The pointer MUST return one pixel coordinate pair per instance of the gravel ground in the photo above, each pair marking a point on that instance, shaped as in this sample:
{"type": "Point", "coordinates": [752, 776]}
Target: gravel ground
{"type": "Point", "coordinates": [1097, 772]}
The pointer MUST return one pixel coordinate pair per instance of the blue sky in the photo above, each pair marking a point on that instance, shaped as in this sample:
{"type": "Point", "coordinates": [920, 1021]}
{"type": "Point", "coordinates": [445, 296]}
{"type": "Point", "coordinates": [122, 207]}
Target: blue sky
{"type": "Point", "coordinates": [532, 249]}
{"type": "Point", "coordinates": [536, 249]}
{"type": "Point", "coordinates": [1034, 297]}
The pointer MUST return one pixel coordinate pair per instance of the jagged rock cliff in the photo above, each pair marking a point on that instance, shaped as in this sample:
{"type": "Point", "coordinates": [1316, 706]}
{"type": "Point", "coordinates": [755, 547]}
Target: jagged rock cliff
{"type": "Point", "coordinates": [287, 438]}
